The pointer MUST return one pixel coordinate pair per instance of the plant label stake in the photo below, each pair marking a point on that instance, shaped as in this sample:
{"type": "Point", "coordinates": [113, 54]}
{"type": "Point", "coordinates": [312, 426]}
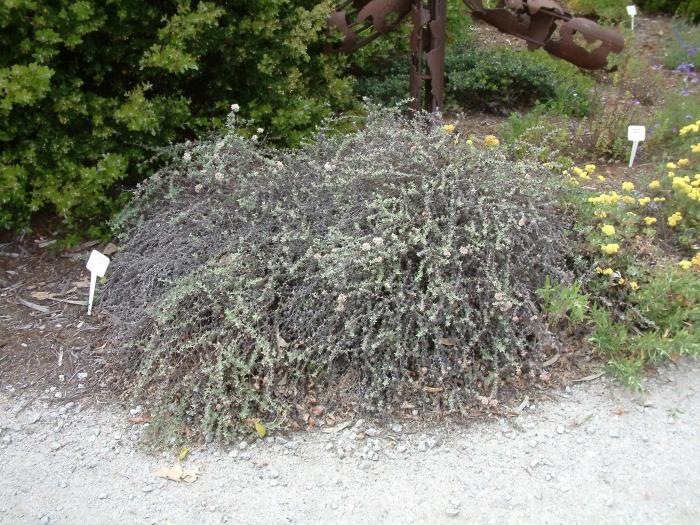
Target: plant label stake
{"type": "Point", "coordinates": [635, 134]}
{"type": "Point", "coordinates": [97, 264]}
{"type": "Point", "coordinates": [632, 11]}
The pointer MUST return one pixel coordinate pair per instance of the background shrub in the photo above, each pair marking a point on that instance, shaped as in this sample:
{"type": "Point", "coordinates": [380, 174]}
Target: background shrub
{"type": "Point", "coordinates": [689, 9]}
{"type": "Point", "coordinates": [88, 90]}
{"type": "Point", "coordinates": [387, 265]}
{"type": "Point", "coordinates": [494, 79]}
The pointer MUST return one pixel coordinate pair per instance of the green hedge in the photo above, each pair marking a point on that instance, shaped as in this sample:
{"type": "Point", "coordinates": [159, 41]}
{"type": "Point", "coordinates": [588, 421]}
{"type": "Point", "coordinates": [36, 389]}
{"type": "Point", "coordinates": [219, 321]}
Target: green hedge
{"type": "Point", "coordinates": [89, 90]}
{"type": "Point", "coordinates": [689, 9]}
{"type": "Point", "coordinates": [616, 9]}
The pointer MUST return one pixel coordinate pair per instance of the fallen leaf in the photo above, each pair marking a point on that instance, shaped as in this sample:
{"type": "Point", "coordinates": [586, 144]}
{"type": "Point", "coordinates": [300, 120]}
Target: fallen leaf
{"type": "Point", "coordinates": [433, 389]}
{"type": "Point", "coordinates": [550, 362]}
{"type": "Point", "coordinates": [110, 249]}
{"type": "Point", "coordinates": [337, 428]}
{"type": "Point", "coordinates": [34, 306]}
{"type": "Point", "coordinates": [139, 419]}
{"type": "Point", "coordinates": [589, 378]}
{"type": "Point", "coordinates": [184, 452]}
{"type": "Point", "coordinates": [177, 473]}
{"type": "Point", "coordinates": [447, 341]}
{"type": "Point", "coordinates": [260, 429]}
{"type": "Point", "coordinates": [318, 410]}
{"type": "Point", "coordinates": [41, 296]}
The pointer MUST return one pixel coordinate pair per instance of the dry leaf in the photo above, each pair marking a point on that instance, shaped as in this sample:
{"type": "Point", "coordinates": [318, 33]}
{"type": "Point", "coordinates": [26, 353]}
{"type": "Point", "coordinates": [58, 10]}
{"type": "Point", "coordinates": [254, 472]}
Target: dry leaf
{"type": "Point", "coordinates": [550, 362]}
{"type": "Point", "coordinates": [589, 378]}
{"type": "Point", "coordinates": [177, 473]}
{"type": "Point", "coordinates": [337, 428]}
{"type": "Point", "coordinates": [139, 419]}
{"type": "Point", "coordinates": [41, 296]}
{"type": "Point", "coordinates": [110, 249]}
{"type": "Point", "coordinates": [433, 389]}
{"type": "Point", "coordinates": [184, 451]}
{"type": "Point", "coordinates": [447, 341]}
{"type": "Point", "coordinates": [318, 410]}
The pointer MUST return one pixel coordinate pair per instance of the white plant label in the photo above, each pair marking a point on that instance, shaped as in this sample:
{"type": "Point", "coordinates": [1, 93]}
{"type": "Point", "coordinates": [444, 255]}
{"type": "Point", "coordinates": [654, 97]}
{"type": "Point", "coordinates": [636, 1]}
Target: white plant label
{"type": "Point", "coordinates": [632, 11]}
{"type": "Point", "coordinates": [635, 134]}
{"type": "Point", "coordinates": [97, 264]}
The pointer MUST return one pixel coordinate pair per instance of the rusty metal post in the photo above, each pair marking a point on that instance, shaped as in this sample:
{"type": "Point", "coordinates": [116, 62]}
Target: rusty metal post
{"type": "Point", "coordinates": [427, 76]}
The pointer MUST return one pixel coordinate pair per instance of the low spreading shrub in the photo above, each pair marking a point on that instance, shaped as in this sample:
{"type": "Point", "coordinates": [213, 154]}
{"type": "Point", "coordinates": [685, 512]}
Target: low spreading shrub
{"type": "Point", "coordinates": [395, 264]}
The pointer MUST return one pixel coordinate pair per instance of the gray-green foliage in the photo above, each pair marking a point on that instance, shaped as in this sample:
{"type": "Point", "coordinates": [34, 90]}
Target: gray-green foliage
{"type": "Point", "coordinates": [363, 270]}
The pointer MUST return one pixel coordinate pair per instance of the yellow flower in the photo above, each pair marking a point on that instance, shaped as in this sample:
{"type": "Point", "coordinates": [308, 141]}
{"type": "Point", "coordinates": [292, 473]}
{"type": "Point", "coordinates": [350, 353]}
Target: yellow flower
{"type": "Point", "coordinates": [628, 199]}
{"type": "Point", "coordinates": [601, 178]}
{"type": "Point", "coordinates": [695, 148]}
{"type": "Point", "coordinates": [671, 174]}
{"type": "Point", "coordinates": [674, 219]}
{"type": "Point", "coordinates": [455, 141]}
{"type": "Point", "coordinates": [634, 285]}
{"type": "Point", "coordinates": [621, 281]}
{"type": "Point", "coordinates": [644, 201]}
{"type": "Point", "coordinates": [690, 128]}
{"type": "Point", "coordinates": [696, 261]}
{"type": "Point", "coordinates": [683, 162]}
{"type": "Point", "coordinates": [448, 128]}
{"type": "Point", "coordinates": [650, 220]}
{"type": "Point", "coordinates": [659, 199]}
{"type": "Point", "coordinates": [608, 271]}
{"type": "Point", "coordinates": [610, 249]}
{"type": "Point", "coordinates": [574, 182]}
{"type": "Point", "coordinates": [590, 168]}
{"type": "Point", "coordinates": [469, 142]}
{"type": "Point", "coordinates": [628, 186]}
{"type": "Point", "coordinates": [671, 166]}
{"type": "Point", "coordinates": [581, 173]}
{"type": "Point", "coordinates": [491, 140]}
{"type": "Point", "coordinates": [608, 229]}
{"type": "Point", "coordinates": [600, 214]}
{"type": "Point", "coordinates": [655, 184]}
{"type": "Point", "coordinates": [685, 264]}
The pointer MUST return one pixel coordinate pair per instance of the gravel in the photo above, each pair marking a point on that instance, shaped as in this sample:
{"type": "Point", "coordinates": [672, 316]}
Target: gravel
{"type": "Point", "coordinates": [595, 454]}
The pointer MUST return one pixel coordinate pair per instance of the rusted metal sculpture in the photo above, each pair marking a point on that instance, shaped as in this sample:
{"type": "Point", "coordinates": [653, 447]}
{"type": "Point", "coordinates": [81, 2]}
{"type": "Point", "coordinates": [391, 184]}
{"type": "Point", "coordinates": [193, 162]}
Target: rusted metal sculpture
{"type": "Point", "coordinates": [541, 23]}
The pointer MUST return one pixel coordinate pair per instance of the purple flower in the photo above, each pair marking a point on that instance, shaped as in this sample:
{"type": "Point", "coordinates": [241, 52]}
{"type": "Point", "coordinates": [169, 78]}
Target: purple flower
{"type": "Point", "coordinates": [686, 68]}
{"type": "Point", "coordinates": [685, 92]}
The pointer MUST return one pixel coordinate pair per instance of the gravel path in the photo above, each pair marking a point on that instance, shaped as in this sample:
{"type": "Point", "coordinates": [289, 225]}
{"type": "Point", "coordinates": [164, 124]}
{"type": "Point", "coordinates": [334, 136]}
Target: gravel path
{"type": "Point", "coordinates": [595, 454]}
